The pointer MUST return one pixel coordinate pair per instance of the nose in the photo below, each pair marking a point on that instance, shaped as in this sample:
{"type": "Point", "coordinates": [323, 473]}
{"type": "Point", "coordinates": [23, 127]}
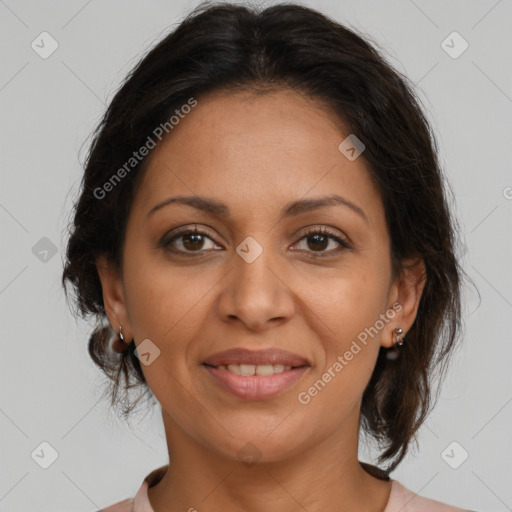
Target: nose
{"type": "Point", "coordinates": [256, 293]}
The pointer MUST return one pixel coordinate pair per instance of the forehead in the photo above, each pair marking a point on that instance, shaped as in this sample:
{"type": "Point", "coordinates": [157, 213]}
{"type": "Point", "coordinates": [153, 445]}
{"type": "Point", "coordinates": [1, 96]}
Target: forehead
{"type": "Point", "coordinates": [250, 149]}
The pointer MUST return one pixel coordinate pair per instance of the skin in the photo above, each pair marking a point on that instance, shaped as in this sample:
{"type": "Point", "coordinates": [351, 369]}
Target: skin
{"type": "Point", "coordinates": [256, 153]}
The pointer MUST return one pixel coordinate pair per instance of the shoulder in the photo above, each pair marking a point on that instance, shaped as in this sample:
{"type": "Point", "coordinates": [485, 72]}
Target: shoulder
{"type": "Point", "coordinates": [139, 503]}
{"type": "Point", "coordinates": [120, 506]}
{"type": "Point", "coordinates": [404, 500]}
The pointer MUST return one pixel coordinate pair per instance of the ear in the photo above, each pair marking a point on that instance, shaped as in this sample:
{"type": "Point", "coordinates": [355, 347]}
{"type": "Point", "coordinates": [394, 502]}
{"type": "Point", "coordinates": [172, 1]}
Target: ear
{"type": "Point", "coordinates": [406, 290]}
{"type": "Point", "coordinates": [114, 297]}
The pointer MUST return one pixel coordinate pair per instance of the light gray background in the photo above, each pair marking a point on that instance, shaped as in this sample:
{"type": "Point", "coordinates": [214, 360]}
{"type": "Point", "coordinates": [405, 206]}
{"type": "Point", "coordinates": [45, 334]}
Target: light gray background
{"type": "Point", "coordinates": [50, 390]}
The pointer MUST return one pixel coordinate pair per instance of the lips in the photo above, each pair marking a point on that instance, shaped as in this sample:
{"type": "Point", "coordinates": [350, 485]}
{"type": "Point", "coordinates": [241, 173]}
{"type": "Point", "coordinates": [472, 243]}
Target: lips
{"type": "Point", "coordinates": [241, 356]}
{"type": "Point", "coordinates": [256, 374]}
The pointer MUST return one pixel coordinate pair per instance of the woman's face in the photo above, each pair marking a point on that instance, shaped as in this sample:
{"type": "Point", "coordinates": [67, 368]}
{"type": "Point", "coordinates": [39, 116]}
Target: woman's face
{"type": "Point", "coordinates": [260, 276]}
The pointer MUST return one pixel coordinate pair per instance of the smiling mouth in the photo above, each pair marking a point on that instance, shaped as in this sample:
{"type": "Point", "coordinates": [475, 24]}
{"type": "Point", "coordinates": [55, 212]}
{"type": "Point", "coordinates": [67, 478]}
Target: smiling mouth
{"type": "Point", "coordinates": [262, 370]}
{"type": "Point", "coordinates": [255, 381]}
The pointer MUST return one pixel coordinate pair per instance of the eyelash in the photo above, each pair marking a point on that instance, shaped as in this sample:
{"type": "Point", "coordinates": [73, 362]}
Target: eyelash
{"type": "Point", "coordinates": [166, 243]}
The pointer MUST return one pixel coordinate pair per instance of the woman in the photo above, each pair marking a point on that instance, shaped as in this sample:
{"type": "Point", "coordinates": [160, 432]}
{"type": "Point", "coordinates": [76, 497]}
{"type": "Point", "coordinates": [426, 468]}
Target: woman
{"type": "Point", "coordinates": [264, 224]}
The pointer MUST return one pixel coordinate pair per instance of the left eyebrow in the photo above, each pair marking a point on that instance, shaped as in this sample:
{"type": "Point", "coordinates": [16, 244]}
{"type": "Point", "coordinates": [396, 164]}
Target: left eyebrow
{"type": "Point", "coordinates": [291, 209]}
{"type": "Point", "coordinates": [307, 205]}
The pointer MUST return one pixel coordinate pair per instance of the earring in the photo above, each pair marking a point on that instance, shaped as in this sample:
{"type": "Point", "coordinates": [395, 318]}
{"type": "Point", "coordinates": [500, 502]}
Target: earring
{"type": "Point", "coordinates": [399, 339]}
{"type": "Point", "coordinates": [118, 344]}
{"type": "Point", "coordinates": [393, 353]}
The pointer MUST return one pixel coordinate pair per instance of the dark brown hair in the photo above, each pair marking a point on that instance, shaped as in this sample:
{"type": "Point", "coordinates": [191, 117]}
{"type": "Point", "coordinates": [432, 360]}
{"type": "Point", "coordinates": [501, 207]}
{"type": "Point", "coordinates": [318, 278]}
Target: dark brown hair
{"type": "Point", "coordinates": [225, 47]}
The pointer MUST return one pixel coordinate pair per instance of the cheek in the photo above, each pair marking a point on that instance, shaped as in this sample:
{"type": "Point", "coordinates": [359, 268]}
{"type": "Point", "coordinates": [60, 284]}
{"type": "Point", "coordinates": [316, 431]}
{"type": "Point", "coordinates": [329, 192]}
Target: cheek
{"type": "Point", "coordinates": [349, 354]}
{"type": "Point", "coordinates": [160, 298]}
{"type": "Point", "coordinates": [345, 302]}
{"type": "Point", "coordinates": [346, 311]}
{"type": "Point", "coordinates": [164, 306]}
{"type": "Point", "coordinates": [168, 305]}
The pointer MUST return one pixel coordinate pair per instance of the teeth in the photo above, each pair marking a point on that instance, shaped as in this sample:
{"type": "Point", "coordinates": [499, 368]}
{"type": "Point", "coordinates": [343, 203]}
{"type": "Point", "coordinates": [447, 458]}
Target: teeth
{"type": "Point", "coordinates": [234, 368]}
{"type": "Point", "coordinates": [247, 369]}
{"type": "Point", "coordinates": [265, 369]}
{"type": "Point", "coordinates": [253, 369]}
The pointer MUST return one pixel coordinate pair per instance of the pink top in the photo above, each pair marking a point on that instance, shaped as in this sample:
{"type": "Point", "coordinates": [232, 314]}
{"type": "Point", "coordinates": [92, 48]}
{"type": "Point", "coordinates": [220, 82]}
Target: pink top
{"type": "Point", "coordinates": [400, 499]}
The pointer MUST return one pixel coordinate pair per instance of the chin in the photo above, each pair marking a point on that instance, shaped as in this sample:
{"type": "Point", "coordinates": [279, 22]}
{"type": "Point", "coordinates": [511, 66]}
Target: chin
{"type": "Point", "coordinates": [252, 445]}
{"type": "Point", "coordinates": [257, 450]}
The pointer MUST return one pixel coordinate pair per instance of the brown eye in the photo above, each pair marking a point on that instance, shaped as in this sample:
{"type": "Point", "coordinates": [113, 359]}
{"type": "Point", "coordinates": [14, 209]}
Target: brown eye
{"type": "Point", "coordinates": [188, 241]}
{"type": "Point", "coordinates": [320, 239]}
{"type": "Point", "coordinates": [192, 241]}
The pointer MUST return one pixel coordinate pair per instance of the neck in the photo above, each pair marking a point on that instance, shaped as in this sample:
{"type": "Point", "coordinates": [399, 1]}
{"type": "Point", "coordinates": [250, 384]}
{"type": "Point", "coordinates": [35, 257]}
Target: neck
{"type": "Point", "coordinates": [309, 478]}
